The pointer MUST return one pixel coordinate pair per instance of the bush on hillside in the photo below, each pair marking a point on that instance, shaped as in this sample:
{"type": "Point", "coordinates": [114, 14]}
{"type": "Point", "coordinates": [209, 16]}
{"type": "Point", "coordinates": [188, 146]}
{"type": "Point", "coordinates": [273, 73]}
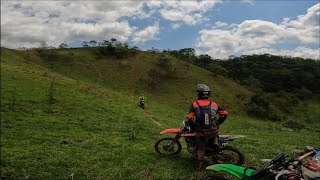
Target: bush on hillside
{"type": "Point", "coordinates": [114, 48]}
{"type": "Point", "coordinates": [162, 71]}
{"type": "Point", "coordinates": [165, 65]}
{"type": "Point", "coordinates": [45, 51]}
{"type": "Point", "coordinates": [117, 52]}
{"type": "Point", "coordinates": [154, 78]}
{"type": "Point", "coordinates": [273, 106]}
{"type": "Point", "coordinates": [48, 53]}
{"type": "Point", "coordinates": [285, 101]}
{"type": "Point", "coordinates": [293, 125]}
{"type": "Point", "coordinates": [217, 69]}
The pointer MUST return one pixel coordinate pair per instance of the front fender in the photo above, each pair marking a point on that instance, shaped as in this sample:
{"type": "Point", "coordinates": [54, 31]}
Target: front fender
{"type": "Point", "coordinates": [170, 130]}
{"type": "Point", "coordinates": [237, 171]}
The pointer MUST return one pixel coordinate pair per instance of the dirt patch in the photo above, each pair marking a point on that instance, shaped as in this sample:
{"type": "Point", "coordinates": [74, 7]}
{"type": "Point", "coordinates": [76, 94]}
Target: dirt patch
{"type": "Point", "coordinates": [152, 117]}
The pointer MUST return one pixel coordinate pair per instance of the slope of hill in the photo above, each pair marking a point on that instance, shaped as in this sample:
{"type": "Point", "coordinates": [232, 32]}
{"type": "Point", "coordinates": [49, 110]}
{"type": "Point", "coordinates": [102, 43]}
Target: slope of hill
{"type": "Point", "coordinates": [87, 131]}
{"type": "Point", "coordinates": [132, 77]}
{"type": "Point", "coordinates": [61, 126]}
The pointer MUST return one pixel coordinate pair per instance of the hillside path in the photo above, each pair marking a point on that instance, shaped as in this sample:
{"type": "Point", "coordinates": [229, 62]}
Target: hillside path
{"type": "Point", "coordinates": [152, 117]}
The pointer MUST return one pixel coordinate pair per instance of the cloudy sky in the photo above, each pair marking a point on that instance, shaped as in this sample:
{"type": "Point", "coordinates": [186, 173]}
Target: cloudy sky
{"type": "Point", "coordinates": [219, 28]}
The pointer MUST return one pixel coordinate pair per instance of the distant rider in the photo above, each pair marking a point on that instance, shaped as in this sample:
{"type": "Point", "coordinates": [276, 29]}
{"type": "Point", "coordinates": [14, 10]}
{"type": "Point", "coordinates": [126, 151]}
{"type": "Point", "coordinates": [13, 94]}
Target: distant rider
{"type": "Point", "coordinates": [202, 120]}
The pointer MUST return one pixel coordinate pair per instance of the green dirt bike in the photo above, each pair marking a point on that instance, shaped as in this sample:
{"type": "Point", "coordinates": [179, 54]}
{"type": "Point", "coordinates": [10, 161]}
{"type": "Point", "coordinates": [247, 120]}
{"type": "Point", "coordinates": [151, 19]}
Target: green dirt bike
{"type": "Point", "coordinates": [279, 168]}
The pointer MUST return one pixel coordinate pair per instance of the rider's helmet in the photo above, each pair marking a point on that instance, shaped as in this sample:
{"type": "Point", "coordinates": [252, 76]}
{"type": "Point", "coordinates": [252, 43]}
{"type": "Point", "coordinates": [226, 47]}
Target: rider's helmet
{"type": "Point", "coordinates": [203, 91]}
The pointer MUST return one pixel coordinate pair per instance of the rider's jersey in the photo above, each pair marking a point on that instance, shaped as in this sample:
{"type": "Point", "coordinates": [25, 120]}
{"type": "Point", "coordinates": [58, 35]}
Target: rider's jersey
{"type": "Point", "coordinates": [142, 98]}
{"type": "Point", "coordinates": [203, 115]}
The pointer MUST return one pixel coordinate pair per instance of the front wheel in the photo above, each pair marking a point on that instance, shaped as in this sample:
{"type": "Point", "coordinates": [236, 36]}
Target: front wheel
{"type": "Point", "coordinates": [228, 155]}
{"type": "Point", "coordinates": [164, 146]}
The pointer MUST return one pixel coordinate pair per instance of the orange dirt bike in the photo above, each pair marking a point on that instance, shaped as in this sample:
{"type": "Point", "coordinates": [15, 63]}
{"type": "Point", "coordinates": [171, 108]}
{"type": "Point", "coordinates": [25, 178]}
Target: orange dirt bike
{"type": "Point", "coordinates": [225, 154]}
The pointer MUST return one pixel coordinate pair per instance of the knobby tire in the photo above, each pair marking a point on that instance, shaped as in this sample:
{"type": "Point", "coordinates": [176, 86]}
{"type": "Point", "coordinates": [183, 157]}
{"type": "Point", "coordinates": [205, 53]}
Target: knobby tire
{"type": "Point", "coordinates": [158, 148]}
{"type": "Point", "coordinates": [239, 159]}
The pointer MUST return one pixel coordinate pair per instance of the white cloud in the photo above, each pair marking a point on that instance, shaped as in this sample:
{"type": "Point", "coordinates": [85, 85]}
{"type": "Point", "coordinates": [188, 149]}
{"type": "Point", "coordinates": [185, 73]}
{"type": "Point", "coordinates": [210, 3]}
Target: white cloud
{"type": "Point", "coordinates": [220, 24]}
{"type": "Point", "coordinates": [297, 52]}
{"type": "Point", "coordinates": [146, 34]}
{"type": "Point", "coordinates": [257, 36]}
{"type": "Point", "coordinates": [26, 23]}
{"type": "Point", "coordinates": [178, 16]}
{"type": "Point", "coordinates": [189, 12]}
{"type": "Point", "coordinates": [176, 25]}
{"type": "Point", "coordinates": [248, 1]}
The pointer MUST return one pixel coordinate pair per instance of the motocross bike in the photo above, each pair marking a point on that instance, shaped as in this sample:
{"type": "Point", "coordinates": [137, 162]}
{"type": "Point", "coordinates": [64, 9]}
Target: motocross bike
{"type": "Point", "coordinates": [279, 168]}
{"type": "Point", "coordinates": [224, 154]}
{"type": "Point", "coordinates": [141, 104]}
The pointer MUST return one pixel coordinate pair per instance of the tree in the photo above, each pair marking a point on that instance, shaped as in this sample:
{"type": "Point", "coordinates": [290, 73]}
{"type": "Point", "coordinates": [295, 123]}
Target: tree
{"type": "Point", "coordinates": [46, 51]}
{"type": "Point", "coordinates": [100, 44]}
{"type": "Point", "coordinates": [187, 53]}
{"type": "Point", "coordinates": [126, 45]}
{"type": "Point", "coordinates": [113, 40]}
{"type": "Point", "coordinates": [63, 45]}
{"type": "Point", "coordinates": [93, 43]}
{"type": "Point", "coordinates": [43, 45]}
{"type": "Point", "coordinates": [135, 48]}
{"type": "Point", "coordinates": [85, 44]}
{"type": "Point", "coordinates": [203, 60]}
{"type": "Point", "coordinates": [106, 43]}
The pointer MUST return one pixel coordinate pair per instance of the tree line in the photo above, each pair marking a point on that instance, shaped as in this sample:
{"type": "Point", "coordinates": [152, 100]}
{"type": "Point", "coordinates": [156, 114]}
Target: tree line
{"type": "Point", "coordinates": [281, 83]}
{"type": "Point", "coordinates": [111, 47]}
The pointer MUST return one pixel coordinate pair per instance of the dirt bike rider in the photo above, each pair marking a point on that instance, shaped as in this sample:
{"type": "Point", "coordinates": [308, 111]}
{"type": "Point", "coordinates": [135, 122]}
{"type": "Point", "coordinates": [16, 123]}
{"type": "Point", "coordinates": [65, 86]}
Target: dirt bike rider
{"type": "Point", "coordinates": [142, 99]}
{"type": "Point", "coordinates": [202, 120]}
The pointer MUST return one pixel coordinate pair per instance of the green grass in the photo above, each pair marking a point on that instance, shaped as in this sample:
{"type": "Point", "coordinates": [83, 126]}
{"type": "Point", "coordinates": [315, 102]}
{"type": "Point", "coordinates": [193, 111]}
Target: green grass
{"type": "Point", "coordinates": [85, 133]}
{"type": "Point", "coordinates": [129, 77]}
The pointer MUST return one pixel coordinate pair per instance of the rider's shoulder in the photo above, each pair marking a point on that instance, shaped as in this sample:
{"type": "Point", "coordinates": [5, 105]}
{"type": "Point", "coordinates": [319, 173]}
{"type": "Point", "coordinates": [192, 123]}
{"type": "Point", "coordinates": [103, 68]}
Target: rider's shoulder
{"type": "Point", "coordinates": [204, 102]}
{"type": "Point", "coordinates": [214, 104]}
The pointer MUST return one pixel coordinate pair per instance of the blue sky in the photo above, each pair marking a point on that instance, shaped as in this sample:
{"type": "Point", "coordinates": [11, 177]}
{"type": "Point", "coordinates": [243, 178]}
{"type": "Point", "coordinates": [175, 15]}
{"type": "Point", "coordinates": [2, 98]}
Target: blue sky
{"type": "Point", "coordinates": [218, 28]}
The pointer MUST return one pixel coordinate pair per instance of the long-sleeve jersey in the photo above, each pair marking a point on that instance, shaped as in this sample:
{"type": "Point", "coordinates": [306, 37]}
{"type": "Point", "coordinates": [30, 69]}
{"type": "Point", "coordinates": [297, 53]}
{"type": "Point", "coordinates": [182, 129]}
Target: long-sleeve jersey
{"type": "Point", "coordinates": [215, 110]}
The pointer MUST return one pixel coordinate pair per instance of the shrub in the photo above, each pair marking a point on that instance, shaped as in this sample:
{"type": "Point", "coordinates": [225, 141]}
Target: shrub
{"type": "Point", "coordinates": [273, 106]}
{"type": "Point", "coordinates": [162, 71]}
{"type": "Point", "coordinates": [293, 125]}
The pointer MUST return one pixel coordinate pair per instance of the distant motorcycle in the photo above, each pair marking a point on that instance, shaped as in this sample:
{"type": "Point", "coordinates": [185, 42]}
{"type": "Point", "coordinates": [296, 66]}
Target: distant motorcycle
{"type": "Point", "coordinates": [225, 154]}
{"type": "Point", "coordinates": [141, 104]}
{"type": "Point", "coordinates": [279, 168]}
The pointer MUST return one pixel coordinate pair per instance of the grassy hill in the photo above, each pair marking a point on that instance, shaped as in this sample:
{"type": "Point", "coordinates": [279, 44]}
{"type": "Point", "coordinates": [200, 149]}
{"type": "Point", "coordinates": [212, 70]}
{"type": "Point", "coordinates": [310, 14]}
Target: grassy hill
{"type": "Point", "coordinates": [76, 117]}
{"type": "Point", "coordinates": [130, 76]}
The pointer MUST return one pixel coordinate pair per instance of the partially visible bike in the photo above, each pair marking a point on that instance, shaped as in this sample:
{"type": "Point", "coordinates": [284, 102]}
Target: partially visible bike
{"type": "Point", "coordinates": [141, 104]}
{"type": "Point", "coordinates": [225, 154]}
{"type": "Point", "coordinates": [279, 168]}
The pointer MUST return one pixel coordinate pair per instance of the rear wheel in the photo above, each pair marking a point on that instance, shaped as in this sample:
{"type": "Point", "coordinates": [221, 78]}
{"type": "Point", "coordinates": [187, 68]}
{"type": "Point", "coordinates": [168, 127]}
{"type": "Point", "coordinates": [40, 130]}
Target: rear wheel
{"type": "Point", "coordinates": [164, 146]}
{"type": "Point", "coordinates": [228, 155]}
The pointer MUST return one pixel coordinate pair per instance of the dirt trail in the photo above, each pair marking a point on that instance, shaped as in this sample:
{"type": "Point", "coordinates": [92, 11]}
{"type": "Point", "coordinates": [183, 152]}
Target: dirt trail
{"type": "Point", "coordinates": [152, 117]}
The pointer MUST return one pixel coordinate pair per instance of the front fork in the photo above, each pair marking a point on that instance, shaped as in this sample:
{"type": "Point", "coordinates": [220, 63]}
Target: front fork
{"type": "Point", "coordinates": [176, 138]}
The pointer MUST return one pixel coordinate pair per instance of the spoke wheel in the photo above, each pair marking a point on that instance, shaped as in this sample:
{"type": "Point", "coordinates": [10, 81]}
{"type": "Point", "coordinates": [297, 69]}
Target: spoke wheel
{"type": "Point", "coordinates": [228, 155]}
{"type": "Point", "coordinates": [164, 147]}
